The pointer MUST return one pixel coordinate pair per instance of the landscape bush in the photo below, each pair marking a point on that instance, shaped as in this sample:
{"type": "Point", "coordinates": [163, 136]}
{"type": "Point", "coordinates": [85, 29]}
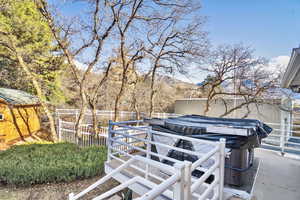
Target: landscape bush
{"type": "Point", "coordinates": [50, 163]}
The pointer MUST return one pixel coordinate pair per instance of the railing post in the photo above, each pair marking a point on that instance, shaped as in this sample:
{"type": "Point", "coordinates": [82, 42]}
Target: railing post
{"type": "Point", "coordinates": [71, 196]}
{"type": "Point", "coordinates": [149, 138]}
{"type": "Point", "coordinates": [282, 133]}
{"type": "Point", "coordinates": [179, 185]}
{"type": "Point", "coordinates": [109, 142]}
{"type": "Point", "coordinates": [188, 180]}
{"type": "Point", "coordinates": [222, 167]}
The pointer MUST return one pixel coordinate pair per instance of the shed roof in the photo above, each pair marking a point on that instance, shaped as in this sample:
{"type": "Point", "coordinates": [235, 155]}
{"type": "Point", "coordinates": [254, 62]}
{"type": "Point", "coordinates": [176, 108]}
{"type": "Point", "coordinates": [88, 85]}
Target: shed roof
{"type": "Point", "coordinates": [17, 97]}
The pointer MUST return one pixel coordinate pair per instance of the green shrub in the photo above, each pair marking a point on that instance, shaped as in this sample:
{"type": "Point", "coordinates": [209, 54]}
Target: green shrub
{"type": "Point", "coordinates": [50, 163]}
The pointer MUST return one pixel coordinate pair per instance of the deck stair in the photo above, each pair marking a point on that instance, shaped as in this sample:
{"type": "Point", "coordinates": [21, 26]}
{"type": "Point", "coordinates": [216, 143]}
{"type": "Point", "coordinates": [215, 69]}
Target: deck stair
{"type": "Point", "coordinates": [150, 189]}
{"type": "Point", "coordinates": [131, 162]}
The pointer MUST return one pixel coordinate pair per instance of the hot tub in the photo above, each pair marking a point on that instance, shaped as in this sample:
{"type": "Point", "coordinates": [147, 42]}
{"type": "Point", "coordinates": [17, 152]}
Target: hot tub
{"type": "Point", "coordinates": [242, 136]}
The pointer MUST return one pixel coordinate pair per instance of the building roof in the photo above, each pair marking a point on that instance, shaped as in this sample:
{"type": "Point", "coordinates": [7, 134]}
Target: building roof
{"type": "Point", "coordinates": [291, 77]}
{"type": "Point", "coordinates": [17, 97]}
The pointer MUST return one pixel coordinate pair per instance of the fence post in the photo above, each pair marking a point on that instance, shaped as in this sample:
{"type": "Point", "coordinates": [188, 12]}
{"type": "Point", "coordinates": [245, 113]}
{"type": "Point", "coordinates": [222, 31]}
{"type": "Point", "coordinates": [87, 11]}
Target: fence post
{"type": "Point", "coordinates": [109, 142]}
{"type": "Point", "coordinates": [76, 114]}
{"type": "Point", "coordinates": [222, 167]}
{"type": "Point", "coordinates": [111, 115]}
{"type": "Point", "coordinates": [188, 180]}
{"type": "Point", "coordinates": [59, 129]}
{"type": "Point", "coordinates": [179, 185]}
{"type": "Point", "coordinates": [149, 138]}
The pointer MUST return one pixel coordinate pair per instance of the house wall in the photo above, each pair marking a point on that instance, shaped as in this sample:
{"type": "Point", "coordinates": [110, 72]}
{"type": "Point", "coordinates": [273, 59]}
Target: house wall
{"type": "Point", "coordinates": [264, 112]}
{"type": "Point", "coordinates": [28, 124]}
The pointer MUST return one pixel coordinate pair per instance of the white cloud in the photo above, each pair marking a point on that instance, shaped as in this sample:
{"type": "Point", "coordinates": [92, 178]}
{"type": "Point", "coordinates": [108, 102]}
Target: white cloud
{"type": "Point", "coordinates": [277, 64]}
{"type": "Point", "coordinates": [80, 65]}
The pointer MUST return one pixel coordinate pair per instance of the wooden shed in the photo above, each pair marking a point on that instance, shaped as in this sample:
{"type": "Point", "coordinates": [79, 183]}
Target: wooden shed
{"type": "Point", "coordinates": [18, 114]}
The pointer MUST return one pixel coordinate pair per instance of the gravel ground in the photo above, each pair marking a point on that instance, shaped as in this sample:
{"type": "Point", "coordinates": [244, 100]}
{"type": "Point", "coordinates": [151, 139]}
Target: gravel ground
{"type": "Point", "coordinates": [54, 191]}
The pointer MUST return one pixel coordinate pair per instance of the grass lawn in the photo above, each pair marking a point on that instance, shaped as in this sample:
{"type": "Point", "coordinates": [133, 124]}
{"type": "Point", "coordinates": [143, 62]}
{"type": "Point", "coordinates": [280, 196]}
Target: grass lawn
{"type": "Point", "coordinates": [51, 171]}
{"type": "Point", "coordinates": [27, 165]}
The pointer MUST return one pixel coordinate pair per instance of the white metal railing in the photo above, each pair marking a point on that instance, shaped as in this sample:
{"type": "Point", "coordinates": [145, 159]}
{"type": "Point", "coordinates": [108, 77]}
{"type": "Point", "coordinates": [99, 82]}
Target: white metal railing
{"type": "Point", "coordinates": [283, 138]}
{"type": "Point", "coordinates": [149, 195]}
{"type": "Point", "coordinates": [174, 181]}
{"type": "Point", "coordinates": [144, 136]}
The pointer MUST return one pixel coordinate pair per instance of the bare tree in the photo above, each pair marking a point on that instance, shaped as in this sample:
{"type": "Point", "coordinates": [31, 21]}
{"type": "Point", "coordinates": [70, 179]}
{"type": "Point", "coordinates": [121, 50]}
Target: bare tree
{"type": "Point", "coordinates": [173, 43]}
{"type": "Point", "coordinates": [125, 31]}
{"type": "Point", "coordinates": [93, 98]}
{"type": "Point", "coordinates": [93, 36]}
{"type": "Point", "coordinates": [234, 72]}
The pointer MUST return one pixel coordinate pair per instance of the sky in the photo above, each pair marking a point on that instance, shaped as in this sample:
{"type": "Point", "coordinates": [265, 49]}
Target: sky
{"type": "Point", "coordinates": [271, 27]}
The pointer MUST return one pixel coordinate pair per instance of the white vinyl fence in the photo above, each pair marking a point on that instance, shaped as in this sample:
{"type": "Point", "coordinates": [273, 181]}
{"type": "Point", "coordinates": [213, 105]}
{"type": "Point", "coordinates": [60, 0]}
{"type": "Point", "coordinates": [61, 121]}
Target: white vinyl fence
{"type": "Point", "coordinates": [86, 136]}
{"type": "Point", "coordinates": [108, 114]}
{"type": "Point", "coordinates": [66, 119]}
{"type": "Point", "coordinates": [284, 137]}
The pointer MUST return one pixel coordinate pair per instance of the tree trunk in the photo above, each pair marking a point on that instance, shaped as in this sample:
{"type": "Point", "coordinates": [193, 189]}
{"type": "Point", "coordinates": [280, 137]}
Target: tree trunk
{"type": "Point", "coordinates": [152, 91]}
{"type": "Point", "coordinates": [15, 122]}
{"type": "Point", "coordinates": [83, 109]}
{"type": "Point", "coordinates": [25, 119]}
{"type": "Point", "coordinates": [95, 120]}
{"type": "Point", "coordinates": [117, 100]}
{"type": "Point", "coordinates": [40, 94]}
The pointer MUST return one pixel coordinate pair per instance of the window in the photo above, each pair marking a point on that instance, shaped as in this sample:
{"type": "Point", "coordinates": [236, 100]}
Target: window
{"type": "Point", "coordinates": [1, 117]}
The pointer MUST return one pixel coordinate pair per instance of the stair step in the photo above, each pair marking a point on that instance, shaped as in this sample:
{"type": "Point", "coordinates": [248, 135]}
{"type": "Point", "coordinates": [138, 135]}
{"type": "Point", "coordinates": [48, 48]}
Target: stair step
{"type": "Point", "coordinates": [138, 188]}
{"type": "Point", "coordinates": [115, 197]}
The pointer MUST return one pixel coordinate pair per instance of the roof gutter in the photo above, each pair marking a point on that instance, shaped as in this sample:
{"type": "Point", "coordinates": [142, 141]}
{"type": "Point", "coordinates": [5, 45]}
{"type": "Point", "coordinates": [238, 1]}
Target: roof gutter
{"type": "Point", "coordinates": [291, 70]}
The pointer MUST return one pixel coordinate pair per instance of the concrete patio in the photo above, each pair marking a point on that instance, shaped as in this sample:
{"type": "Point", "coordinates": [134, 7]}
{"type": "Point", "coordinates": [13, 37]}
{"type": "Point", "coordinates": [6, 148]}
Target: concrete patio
{"type": "Point", "coordinates": [278, 177]}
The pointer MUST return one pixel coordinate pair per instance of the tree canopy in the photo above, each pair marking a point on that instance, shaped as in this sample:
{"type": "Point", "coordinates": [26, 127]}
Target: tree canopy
{"type": "Point", "coordinates": [22, 22]}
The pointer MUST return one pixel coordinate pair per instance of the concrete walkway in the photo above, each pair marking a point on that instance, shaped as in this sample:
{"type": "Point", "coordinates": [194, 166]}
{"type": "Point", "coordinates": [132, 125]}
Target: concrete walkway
{"type": "Point", "coordinates": [278, 177]}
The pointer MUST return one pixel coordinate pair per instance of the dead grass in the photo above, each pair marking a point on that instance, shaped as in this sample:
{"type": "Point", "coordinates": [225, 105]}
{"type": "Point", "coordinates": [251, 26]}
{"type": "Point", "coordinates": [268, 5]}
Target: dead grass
{"type": "Point", "coordinates": [54, 191]}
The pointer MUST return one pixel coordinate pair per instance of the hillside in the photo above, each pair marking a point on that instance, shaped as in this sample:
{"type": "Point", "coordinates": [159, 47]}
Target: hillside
{"type": "Point", "coordinates": [168, 89]}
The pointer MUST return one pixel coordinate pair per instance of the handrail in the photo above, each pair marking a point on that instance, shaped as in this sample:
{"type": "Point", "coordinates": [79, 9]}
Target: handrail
{"type": "Point", "coordinates": [216, 153]}
{"type": "Point", "coordinates": [145, 151]}
{"type": "Point", "coordinates": [101, 181]}
{"type": "Point", "coordinates": [204, 176]}
{"type": "Point", "coordinates": [155, 192]}
{"type": "Point", "coordinates": [117, 188]}
{"type": "Point", "coordinates": [178, 176]}
{"type": "Point", "coordinates": [204, 158]}
{"type": "Point", "coordinates": [157, 143]}
{"type": "Point", "coordinates": [165, 134]}
{"type": "Point", "coordinates": [150, 195]}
